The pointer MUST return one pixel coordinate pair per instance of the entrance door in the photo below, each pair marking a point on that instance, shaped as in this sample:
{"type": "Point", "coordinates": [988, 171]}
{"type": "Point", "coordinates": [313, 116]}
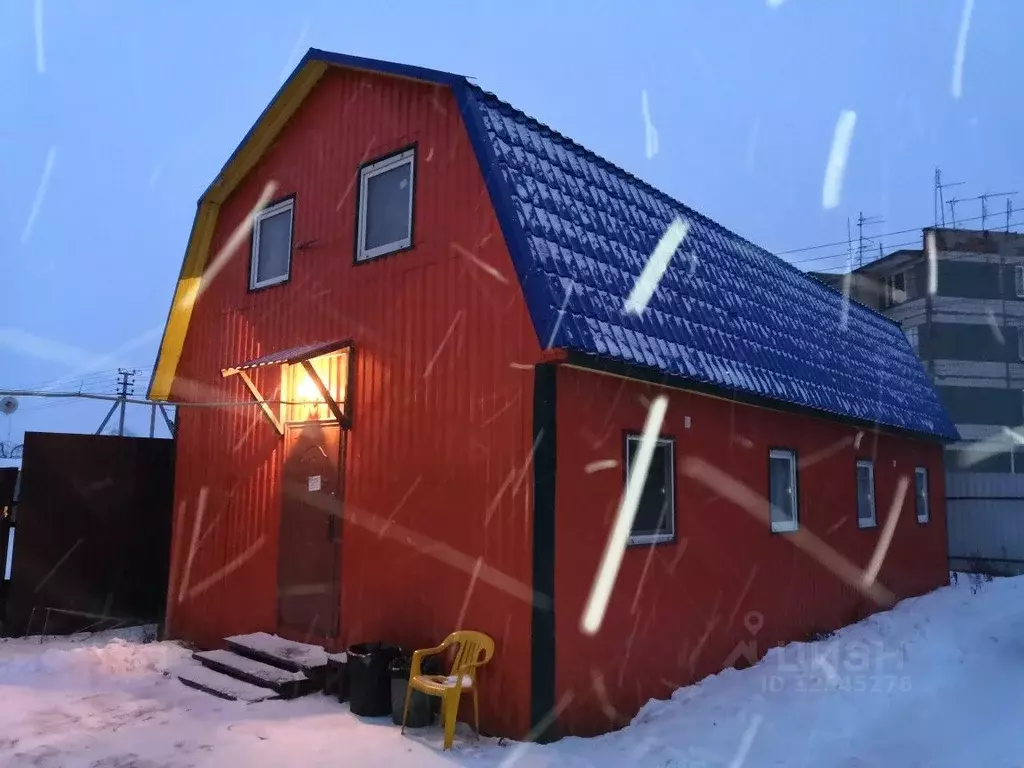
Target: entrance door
{"type": "Point", "coordinates": [308, 568]}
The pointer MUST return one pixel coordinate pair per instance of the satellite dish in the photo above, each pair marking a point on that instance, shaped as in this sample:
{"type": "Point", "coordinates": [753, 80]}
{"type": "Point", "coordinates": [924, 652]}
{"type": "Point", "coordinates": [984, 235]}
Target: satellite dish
{"type": "Point", "coordinates": [8, 405]}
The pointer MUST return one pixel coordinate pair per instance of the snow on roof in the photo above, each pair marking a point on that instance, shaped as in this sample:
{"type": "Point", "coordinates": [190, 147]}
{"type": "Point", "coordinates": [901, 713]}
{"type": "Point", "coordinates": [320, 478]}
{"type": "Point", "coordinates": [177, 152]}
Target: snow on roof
{"type": "Point", "coordinates": [725, 313]}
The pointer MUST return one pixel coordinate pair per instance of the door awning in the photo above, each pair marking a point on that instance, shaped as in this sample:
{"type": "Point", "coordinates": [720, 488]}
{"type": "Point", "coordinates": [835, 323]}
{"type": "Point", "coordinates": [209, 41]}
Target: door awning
{"type": "Point", "coordinates": [290, 356]}
{"type": "Point", "coordinates": [296, 355]}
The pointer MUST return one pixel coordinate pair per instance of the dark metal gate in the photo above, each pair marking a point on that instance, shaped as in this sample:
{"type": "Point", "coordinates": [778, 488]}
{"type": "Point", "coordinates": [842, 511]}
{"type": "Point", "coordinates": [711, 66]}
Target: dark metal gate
{"type": "Point", "coordinates": [93, 537]}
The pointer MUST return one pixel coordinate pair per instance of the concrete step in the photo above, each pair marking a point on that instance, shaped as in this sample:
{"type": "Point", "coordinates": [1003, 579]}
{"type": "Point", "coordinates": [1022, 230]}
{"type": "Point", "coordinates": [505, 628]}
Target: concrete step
{"type": "Point", "coordinates": [287, 684]}
{"type": "Point", "coordinates": [204, 679]}
{"type": "Point", "coordinates": [311, 660]}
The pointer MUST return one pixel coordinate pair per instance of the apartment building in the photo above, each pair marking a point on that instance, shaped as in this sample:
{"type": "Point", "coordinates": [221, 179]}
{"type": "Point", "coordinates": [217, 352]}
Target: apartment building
{"type": "Point", "coordinates": [968, 332]}
{"type": "Point", "coordinates": [968, 329]}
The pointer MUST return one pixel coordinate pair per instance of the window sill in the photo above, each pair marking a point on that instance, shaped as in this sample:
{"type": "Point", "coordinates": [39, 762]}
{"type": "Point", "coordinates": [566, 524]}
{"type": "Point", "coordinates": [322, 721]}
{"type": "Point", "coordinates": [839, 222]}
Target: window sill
{"type": "Point", "coordinates": [923, 520]}
{"type": "Point", "coordinates": [268, 283]}
{"type": "Point", "coordinates": [785, 527]}
{"type": "Point", "coordinates": [398, 246]}
{"type": "Point", "coordinates": [867, 525]}
{"type": "Point", "coordinates": [650, 538]}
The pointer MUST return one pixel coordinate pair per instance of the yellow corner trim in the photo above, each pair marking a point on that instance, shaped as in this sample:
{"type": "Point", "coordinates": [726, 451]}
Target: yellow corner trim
{"type": "Point", "coordinates": [197, 253]}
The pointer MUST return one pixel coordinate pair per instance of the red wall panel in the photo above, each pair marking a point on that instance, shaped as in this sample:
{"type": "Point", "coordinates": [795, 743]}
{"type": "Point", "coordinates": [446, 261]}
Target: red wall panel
{"type": "Point", "coordinates": [727, 586]}
{"type": "Point", "coordinates": [435, 535]}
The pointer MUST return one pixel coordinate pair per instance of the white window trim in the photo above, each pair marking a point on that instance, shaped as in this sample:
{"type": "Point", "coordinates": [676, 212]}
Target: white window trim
{"type": "Point", "coordinates": [783, 526]}
{"type": "Point", "coordinates": [874, 511]}
{"type": "Point", "coordinates": [366, 173]}
{"type": "Point", "coordinates": [919, 472]}
{"type": "Point", "coordinates": [266, 213]}
{"type": "Point", "coordinates": [656, 538]}
{"type": "Point", "coordinates": [1018, 280]}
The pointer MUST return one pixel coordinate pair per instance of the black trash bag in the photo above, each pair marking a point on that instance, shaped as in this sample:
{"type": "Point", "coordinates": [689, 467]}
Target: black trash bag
{"type": "Point", "coordinates": [369, 687]}
{"type": "Point", "coordinates": [423, 709]}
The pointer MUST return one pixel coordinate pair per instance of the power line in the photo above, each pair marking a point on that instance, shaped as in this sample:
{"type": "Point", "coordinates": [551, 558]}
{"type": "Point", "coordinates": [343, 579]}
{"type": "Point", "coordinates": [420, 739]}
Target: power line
{"type": "Point", "coordinates": [844, 254]}
{"type": "Point", "coordinates": [881, 234]}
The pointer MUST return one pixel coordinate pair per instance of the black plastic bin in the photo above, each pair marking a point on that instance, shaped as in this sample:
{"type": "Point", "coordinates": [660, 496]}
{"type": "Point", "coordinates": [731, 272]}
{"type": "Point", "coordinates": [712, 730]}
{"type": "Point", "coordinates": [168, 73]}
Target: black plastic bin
{"type": "Point", "coordinates": [369, 685]}
{"type": "Point", "coordinates": [422, 708]}
{"type": "Point", "coordinates": [336, 676]}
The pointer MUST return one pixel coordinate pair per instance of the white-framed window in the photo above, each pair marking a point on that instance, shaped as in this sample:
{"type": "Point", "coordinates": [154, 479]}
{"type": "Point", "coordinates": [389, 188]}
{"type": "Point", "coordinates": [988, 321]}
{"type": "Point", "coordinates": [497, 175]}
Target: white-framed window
{"type": "Point", "coordinates": [655, 519]}
{"type": "Point", "coordinates": [1018, 280]}
{"type": "Point", "coordinates": [921, 495]}
{"type": "Point", "coordinates": [912, 337]}
{"type": "Point", "coordinates": [866, 517]}
{"type": "Point", "coordinates": [385, 205]}
{"type": "Point", "coordinates": [784, 504]}
{"type": "Point", "coordinates": [272, 245]}
{"type": "Point", "coordinates": [895, 289]}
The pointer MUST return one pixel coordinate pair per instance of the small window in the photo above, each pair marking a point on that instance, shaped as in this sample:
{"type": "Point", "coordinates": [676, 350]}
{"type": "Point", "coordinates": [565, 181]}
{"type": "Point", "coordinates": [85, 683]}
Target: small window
{"type": "Point", "coordinates": [911, 334]}
{"type": "Point", "coordinates": [866, 495]}
{"type": "Point", "coordinates": [385, 206]}
{"type": "Point", "coordinates": [271, 245]}
{"type": "Point", "coordinates": [921, 487]}
{"type": "Point", "coordinates": [655, 519]}
{"type": "Point", "coordinates": [1018, 280]}
{"type": "Point", "coordinates": [895, 289]}
{"type": "Point", "coordinates": [782, 491]}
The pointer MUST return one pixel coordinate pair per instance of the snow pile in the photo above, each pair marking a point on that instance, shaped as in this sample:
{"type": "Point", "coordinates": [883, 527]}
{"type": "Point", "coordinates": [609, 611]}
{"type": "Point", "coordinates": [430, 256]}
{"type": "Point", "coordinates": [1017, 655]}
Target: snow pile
{"type": "Point", "coordinates": [935, 682]}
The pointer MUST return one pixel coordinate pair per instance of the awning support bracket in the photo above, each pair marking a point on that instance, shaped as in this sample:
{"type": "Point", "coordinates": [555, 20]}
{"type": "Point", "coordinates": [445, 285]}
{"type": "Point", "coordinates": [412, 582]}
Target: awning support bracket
{"type": "Point", "coordinates": [342, 418]}
{"type": "Point", "coordinates": [249, 385]}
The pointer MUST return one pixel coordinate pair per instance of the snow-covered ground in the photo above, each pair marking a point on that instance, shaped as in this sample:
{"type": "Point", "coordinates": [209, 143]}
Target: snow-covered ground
{"type": "Point", "coordinates": [939, 681]}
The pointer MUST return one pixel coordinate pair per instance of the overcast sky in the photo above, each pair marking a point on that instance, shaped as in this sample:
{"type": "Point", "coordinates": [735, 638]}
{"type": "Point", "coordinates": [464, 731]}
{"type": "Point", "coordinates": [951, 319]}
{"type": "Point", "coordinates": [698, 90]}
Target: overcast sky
{"type": "Point", "coordinates": [118, 114]}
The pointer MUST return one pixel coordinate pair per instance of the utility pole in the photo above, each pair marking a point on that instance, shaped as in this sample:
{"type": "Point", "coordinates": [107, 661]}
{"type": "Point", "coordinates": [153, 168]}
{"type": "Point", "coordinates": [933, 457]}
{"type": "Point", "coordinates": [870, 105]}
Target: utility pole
{"type": "Point", "coordinates": [1009, 212]}
{"type": "Point", "coordinates": [125, 387]}
{"type": "Point", "coordinates": [952, 211]}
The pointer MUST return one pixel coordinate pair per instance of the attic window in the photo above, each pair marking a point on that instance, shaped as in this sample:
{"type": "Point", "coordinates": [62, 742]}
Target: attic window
{"type": "Point", "coordinates": [385, 205]}
{"type": "Point", "coordinates": [271, 245]}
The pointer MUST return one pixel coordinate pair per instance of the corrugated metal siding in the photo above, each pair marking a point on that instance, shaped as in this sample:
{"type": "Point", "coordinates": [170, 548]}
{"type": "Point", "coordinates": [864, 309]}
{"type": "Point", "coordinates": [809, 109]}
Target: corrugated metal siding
{"type": "Point", "coordinates": [727, 586]}
{"type": "Point", "coordinates": [434, 534]}
{"type": "Point", "coordinates": [986, 520]}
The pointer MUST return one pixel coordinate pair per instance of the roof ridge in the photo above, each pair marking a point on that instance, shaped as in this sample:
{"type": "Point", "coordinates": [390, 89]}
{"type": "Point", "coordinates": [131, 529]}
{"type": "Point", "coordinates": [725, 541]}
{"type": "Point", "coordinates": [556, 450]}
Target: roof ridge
{"type": "Point", "coordinates": [666, 197]}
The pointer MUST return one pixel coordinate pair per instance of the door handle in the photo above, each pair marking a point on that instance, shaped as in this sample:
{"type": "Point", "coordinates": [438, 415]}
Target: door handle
{"type": "Point", "coordinates": [331, 525]}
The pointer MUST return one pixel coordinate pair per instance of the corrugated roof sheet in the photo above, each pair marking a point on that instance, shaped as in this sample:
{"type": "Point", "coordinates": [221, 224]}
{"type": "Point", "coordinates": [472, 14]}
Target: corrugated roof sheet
{"type": "Point", "coordinates": [726, 312]}
{"type": "Point", "coordinates": [293, 355]}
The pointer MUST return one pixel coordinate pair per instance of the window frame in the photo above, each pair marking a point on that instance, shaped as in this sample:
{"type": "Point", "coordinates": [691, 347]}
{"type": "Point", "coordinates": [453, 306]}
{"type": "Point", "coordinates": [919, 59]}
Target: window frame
{"type": "Point", "coordinates": [273, 209]}
{"type": "Point", "coordinates": [913, 336]}
{"type": "Point", "coordinates": [874, 505]}
{"type": "Point", "coordinates": [889, 281]}
{"type": "Point", "coordinates": [918, 472]}
{"type": "Point", "coordinates": [368, 171]}
{"type": "Point", "coordinates": [639, 539]}
{"type": "Point", "coordinates": [794, 476]}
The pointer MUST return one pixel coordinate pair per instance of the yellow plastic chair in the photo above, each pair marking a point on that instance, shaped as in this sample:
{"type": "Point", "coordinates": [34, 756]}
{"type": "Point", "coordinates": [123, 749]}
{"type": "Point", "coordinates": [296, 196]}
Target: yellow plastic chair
{"type": "Point", "coordinates": [475, 650]}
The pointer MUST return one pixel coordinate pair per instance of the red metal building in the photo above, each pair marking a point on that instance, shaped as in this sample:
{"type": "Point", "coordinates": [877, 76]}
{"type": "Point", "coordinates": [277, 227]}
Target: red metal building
{"type": "Point", "coordinates": [416, 395]}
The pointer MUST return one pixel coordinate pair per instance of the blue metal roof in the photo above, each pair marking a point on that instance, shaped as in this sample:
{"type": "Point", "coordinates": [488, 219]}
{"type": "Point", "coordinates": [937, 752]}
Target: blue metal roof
{"type": "Point", "coordinates": [726, 312]}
